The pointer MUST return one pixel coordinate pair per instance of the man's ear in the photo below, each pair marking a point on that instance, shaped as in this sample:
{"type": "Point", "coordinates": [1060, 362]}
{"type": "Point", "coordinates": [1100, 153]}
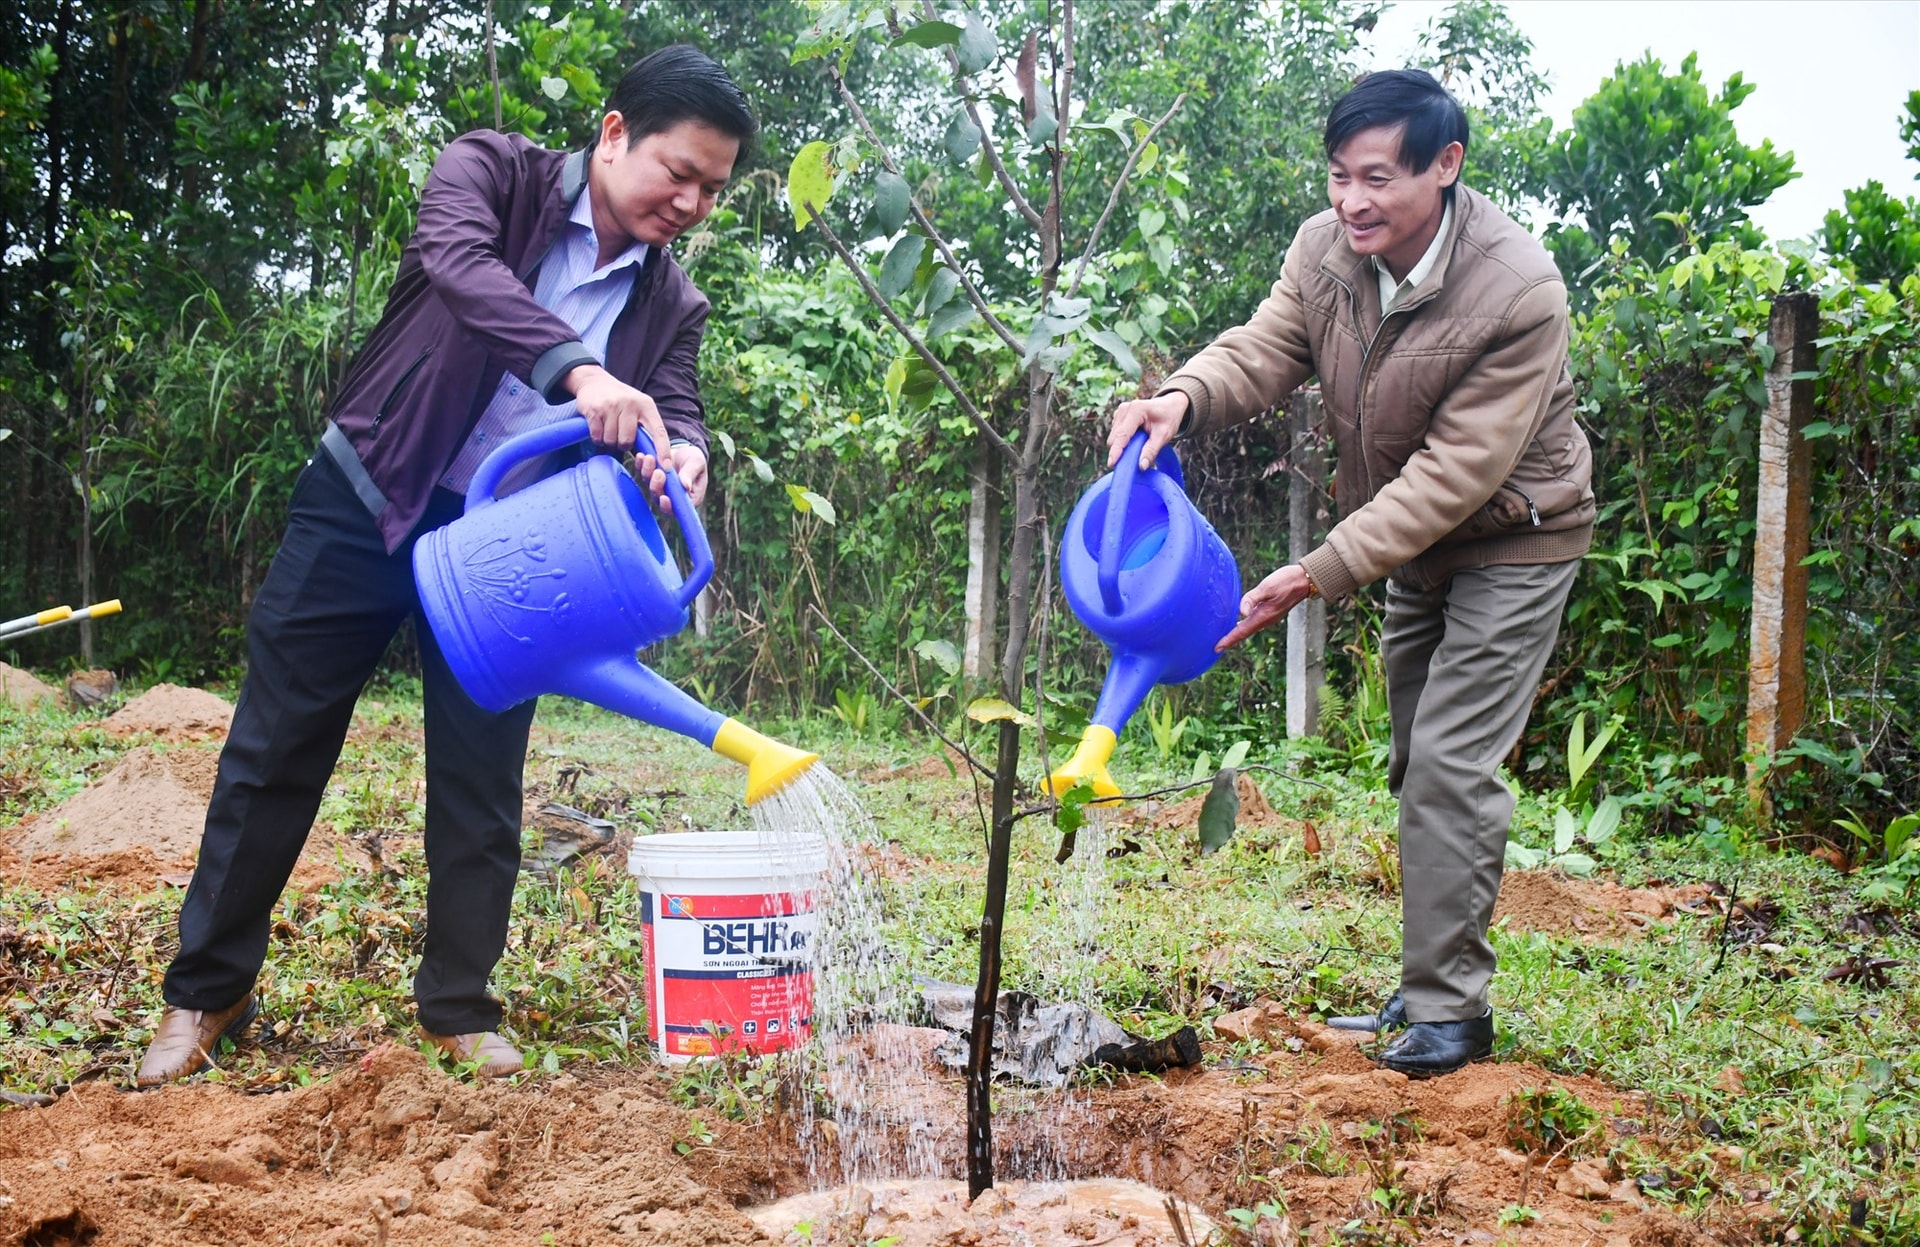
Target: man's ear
{"type": "Point", "coordinates": [1451, 157]}
{"type": "Point", "coordinates": [613, 133]}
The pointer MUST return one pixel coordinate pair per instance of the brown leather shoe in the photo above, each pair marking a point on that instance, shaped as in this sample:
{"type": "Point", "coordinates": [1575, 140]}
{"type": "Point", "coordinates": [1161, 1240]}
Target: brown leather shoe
{"type": "Point", "coordinates": [184, 1041]}
{"type": "Point", "coordinates": [490, 1055]}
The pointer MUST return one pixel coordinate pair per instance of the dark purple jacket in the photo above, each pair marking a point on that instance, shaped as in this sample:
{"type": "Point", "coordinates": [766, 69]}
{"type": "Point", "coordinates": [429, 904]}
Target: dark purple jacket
{"type": "Point", "coordinates": [462, 312]}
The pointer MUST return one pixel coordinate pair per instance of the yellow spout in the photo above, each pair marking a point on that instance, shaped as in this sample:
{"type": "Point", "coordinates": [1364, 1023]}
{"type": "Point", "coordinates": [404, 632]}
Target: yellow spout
{"type": "Point", "coordinates": [770, 765]}
{"type": "Point", "coordinates": [1089, 763]}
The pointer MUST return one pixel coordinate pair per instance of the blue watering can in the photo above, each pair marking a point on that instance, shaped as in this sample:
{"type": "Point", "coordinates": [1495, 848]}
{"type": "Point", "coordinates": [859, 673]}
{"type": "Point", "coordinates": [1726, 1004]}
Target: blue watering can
{"type": "Point", "coordinates": [1146, 574]}
{"type": "Point", "coordinates": [553, 589]}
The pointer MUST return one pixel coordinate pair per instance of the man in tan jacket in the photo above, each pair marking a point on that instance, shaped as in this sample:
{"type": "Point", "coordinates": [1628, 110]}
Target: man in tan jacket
{"type": "Point", "coordinates": [1437, 329]}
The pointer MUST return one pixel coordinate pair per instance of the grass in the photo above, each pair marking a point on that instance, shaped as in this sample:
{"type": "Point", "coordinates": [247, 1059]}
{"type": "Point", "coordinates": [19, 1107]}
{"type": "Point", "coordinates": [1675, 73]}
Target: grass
{"type": "Point", "coordinates": [1751, 1062]}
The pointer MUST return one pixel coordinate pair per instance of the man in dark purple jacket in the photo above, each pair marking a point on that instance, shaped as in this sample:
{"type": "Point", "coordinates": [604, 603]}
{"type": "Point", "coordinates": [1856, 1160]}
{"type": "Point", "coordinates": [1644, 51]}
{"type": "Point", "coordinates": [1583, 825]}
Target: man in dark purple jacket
{"type": "Point", "coordinates": [537, 285]}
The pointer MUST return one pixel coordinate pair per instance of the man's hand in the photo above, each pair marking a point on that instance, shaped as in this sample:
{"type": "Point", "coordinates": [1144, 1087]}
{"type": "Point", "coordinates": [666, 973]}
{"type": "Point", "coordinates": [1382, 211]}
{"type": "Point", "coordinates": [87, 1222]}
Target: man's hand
{"type": "Point", "coordinates": [689, 462]}
{"type": "Point", "coordinates": [613, 408]}
{"type": "Point", "coordinates": [1267, 603]}
{"type": "Point", "coordinates": [1160, 417]}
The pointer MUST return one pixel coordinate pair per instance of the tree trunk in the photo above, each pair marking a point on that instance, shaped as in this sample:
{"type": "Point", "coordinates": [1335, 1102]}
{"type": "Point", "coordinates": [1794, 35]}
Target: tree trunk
{"type": "Point", "coordinates": [117, 112]}
{"type": "Point", "coordinates": [322, 123]}
{"type": "Point", "coordinates": [986, 988]}
{"type": "Point", "coordinates": [196, 69]}
{"type": "Point", "coordinates": [84, 481]}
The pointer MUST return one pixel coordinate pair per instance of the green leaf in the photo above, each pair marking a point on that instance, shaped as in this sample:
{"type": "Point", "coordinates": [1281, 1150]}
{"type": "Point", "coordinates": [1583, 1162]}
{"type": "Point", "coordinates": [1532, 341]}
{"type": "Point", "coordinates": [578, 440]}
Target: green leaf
{"type": "Point", "coordinates": [940, 289]}
{"type": "Point", "coordinates": [1580, 756]}
{"type": "Point", "coordinates": [1236, 754]}
{"type": "Point", "coordinates": [941, 653]}
{"type": "Point", "coordinates": [1564, 830]}
{"type": "Point", "coordinates": [896, 271]}
{"type": "Point", "coordinates": [928, 35]}
{"type": "Point", "coordinates": [1043, 126]}
{"type": "Point", "coordinates": [807, 502]}
{"type": "Point", "coordinates": [1579, 865]}
{"type": "Point", "coordinates": [1116, 346]}
{"type": "Point", "coordinates": [1219, 811]}
{"type": "Point", "coordinates": [760, 468]}
{"type": "Point", "coordinates": [896, 379]}
{"type": "Point", "coordinates": [890, 199]}
{"type": "Point", "coordinates": [725, 439]}
{"type": "Point", "coordinates": [962, 138]}
{"type": "Point", "coordinates": [1520, 857]}
{"type": "Point", "coordinates": [1604, 821]}
{"type": "Point", "coordinates": [977, 45]}
{"type": "Point", "coordinates": [993, 710]}
{"type": "Point", "coordinates": [949, 318]}
{"type": "Point", "coordinates": [553, 88]}
{"type": "Point", "coordinates": [819, 505]}
{"type": "Point", "coordinates": [1071, 814]}
{"type": "Point", "coordinates": [809, 181]}
{"type": "Point", "coordinates": [1152, 221]}
{"type": "Point", "coordinates": [585, 83]}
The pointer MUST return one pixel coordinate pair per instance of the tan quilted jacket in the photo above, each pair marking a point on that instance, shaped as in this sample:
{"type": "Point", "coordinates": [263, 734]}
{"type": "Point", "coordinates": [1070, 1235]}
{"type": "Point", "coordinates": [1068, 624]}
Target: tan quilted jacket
{"type": "Point", "coordinates": [1452, 420]}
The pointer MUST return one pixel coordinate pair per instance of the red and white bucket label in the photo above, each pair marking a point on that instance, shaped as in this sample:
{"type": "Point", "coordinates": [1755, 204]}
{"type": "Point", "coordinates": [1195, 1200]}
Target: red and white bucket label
{"type": "Point", "coordinates": [728, 973]}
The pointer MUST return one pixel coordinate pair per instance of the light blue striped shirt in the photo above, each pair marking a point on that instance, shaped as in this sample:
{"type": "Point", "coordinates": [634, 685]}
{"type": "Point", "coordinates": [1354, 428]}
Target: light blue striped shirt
{"type": "Point", "coordinates": [586, 297]}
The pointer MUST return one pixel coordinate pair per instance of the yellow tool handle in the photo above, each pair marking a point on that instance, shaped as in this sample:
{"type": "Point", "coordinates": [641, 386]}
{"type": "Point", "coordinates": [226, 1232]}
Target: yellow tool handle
{"type": "Point", "coordinates": [56, 616]}
{"type": "Point", "coordinates": [40, 619]}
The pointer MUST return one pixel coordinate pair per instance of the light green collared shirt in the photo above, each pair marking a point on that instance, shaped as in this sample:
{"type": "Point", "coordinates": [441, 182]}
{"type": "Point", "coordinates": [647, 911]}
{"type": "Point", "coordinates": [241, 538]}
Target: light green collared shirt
{"type": "Point", "coordinates": [1391, 293]}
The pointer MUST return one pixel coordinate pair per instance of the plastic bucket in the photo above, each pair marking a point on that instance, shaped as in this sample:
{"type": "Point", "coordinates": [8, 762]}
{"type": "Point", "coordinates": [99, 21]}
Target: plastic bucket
{"type": "Point", "coordinates": [727, 924]}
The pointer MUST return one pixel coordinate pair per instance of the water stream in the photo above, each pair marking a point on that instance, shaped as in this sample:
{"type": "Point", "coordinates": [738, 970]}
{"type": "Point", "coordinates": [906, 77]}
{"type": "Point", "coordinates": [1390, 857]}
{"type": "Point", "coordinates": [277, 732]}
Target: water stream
{"type": "Point", "coordinates": [879, 1098]}
{"type": "Point", "coordinates": [883, 1127]}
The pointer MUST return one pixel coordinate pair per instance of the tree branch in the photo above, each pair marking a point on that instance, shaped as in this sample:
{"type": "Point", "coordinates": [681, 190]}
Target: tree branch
{"type": "Point", "coordinates": [926, 223]}
{"type": "Point", "coordinates": [939, 243]}
{"type": "Point", "coordinates": [1113, 200]}
{"type": "Point", "coordinates": [899, 696]}
{"type": "Point", "coordinates": [906, 331]}
{"type": "Point", "coordinates": [1005, 179]}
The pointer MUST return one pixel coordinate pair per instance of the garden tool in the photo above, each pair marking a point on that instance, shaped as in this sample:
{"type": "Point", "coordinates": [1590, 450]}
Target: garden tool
{"type": "Point", "coordinates": [54, 616]}
{"type": "Point", "coordinates": [555, 588]}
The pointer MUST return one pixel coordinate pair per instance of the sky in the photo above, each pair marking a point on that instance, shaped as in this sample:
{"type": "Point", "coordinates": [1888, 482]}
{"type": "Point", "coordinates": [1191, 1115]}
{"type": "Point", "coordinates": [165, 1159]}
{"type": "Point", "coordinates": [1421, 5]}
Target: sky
{"type": "Point", "coordinates": [1831, 77]}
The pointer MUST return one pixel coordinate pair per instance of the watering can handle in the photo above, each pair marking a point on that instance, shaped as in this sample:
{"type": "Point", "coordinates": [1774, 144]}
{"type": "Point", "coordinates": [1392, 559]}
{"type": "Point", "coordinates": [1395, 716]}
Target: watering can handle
{"type": "Point", "coordinates": [564, 433]}
{"type": "Point", "coordinates": [1111, 532]}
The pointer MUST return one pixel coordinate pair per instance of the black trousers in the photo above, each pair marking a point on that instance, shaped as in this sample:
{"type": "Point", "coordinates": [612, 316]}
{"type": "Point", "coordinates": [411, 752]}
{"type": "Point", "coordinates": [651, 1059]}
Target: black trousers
{"type": "Point", "coordinates": [332, 601]}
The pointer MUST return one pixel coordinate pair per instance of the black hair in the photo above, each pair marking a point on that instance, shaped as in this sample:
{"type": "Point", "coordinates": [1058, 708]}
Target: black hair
{"type": "Point", "coordinates": [681, 83]}
{"type": "Point", "coordinates": [1395, 97]}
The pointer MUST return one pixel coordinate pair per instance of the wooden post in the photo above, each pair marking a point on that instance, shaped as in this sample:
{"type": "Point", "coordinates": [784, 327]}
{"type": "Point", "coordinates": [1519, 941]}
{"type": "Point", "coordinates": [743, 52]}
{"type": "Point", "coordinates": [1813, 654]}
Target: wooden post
{"type": "Point", "coordinates": [1306, 519]}
{"type": "Point", "coordinates": [1777, 667]}
{"type": "Point", "coordinates": [983, 561]}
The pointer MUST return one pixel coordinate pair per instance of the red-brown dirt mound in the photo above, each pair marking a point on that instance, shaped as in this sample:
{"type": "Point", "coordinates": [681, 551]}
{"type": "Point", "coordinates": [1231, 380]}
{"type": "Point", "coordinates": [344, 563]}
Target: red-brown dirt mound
{"type": "Point", "coordinates": [138, 823]}
{"type": "Point", "coordinates": [1537, 900]}
{"type": "Point", "coordinates": [23, 688]}
{"type": "Point", "coordinates": [1256, 812]}
{"type": "Point", "coordinates": [394, 1151]}
{"type": "Point", "coordinates": [152, 800]}
{"type": "Point", "coordinates": [174, 712]}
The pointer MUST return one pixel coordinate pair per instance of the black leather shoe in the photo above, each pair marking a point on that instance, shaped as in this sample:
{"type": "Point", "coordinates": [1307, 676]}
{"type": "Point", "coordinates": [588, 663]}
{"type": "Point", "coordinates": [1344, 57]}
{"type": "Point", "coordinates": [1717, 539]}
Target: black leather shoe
{"type": "Point", "coordinates": [1425, 1049]}
{"type": "Point", "coordinates": [1392, 1017]}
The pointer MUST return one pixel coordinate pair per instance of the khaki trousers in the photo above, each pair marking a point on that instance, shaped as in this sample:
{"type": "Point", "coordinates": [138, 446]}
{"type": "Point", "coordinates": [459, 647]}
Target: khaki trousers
{"type": "Point", "coordinates": [1462, 664]}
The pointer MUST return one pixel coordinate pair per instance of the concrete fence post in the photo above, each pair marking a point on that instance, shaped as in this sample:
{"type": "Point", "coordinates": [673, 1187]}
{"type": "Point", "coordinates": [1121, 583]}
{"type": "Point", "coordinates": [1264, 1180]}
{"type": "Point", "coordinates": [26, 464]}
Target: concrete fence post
{"type": "Point", "coordinates": [1306, 522]}
{"type": "Point", "coordinates": [1777, 666]}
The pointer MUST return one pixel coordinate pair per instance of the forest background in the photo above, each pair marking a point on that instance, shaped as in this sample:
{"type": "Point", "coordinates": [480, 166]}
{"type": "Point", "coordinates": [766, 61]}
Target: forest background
{"type": "Point", "coordinates": [201, 204]}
